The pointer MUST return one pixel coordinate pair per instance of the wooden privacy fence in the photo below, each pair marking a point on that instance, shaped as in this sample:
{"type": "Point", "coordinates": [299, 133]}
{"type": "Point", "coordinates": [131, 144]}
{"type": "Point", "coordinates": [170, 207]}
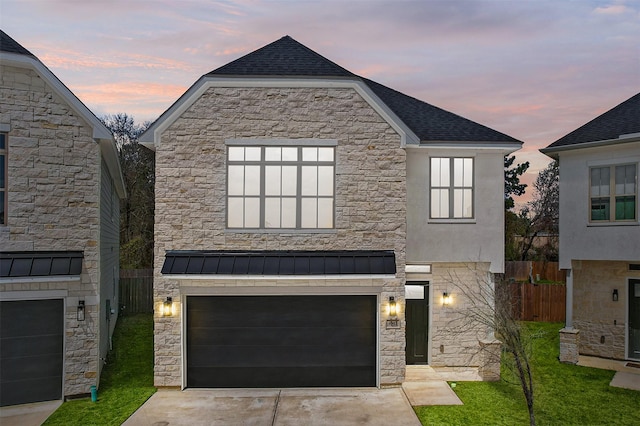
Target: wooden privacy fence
{"type": "Point", "coordinates": [136, 290]}
{"type": "Point", "coordinates": [522, 270]}
{"type": "Point", "coordinates": [538, 302]}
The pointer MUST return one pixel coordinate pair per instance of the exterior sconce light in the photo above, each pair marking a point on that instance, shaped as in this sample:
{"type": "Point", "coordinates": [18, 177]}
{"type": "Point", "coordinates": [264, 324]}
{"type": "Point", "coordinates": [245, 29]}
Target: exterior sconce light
{"type": "Point", "coordinates": [80, 312]}
{"type": "Point", "coordinates": [393, 307]}
{"type": "Point", "coordinates": [167, 307]}
{"type": "Point", "coordinates": [614, 297]}
{"type": "Point", "coordinates": [446, 299]}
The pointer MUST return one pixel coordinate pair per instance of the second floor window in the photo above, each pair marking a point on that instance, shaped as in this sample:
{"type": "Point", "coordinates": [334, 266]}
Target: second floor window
{"type": "Point", "coordinates": [280, 187]}
{"type": "Point", "coordinates": [613, 193]}
{"type": "Point", "coordinates": [451, 188]}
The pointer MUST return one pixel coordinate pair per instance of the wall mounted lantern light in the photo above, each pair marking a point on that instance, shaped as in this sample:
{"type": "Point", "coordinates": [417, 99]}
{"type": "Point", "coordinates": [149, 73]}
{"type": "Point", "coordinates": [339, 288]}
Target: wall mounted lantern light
{"type": "Point", "coordinates": [393, 307]}
{"type": "Point", "coordinates": [446, 299]}
{"type": "Point", "coordinates": [80, 312]}
{"type": "Point", "coordinates": [614, 297]}
{"type": "Point", "coordinates": [167, 307]}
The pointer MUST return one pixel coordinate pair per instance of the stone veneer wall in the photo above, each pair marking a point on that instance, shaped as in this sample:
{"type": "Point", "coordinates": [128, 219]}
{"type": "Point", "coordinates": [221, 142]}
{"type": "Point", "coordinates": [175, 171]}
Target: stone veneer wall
{"type": "Point", "coordinates": [595, 314]}
{"type": "Point", "coordinates": [454, 341]}
{"type": "Point", "coordinates": [370, 201]}
{"type": "Point", "coordinates": [53, 204]}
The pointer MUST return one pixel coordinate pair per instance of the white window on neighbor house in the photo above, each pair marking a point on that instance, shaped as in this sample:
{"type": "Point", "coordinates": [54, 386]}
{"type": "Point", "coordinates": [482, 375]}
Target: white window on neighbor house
{"type": "Point", "coordinates": [451, 187]}
{"type": "Point", "coordinates": [613, 193]}
{"type": "Point", "coordinates": [3, 178]}
{"type": "Point", "coordinates": [280, 187]}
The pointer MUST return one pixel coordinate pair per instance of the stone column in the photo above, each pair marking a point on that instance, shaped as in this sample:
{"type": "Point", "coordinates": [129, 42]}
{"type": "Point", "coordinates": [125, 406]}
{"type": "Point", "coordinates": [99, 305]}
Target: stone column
{"type": "Point", "coordinates": [569, 344]}
{"type": "Point", "coordinates": [491, 351]}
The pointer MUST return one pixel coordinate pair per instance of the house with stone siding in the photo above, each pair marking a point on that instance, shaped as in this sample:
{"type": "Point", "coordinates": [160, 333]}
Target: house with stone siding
{"type": "Point", "coordinates": [60, 188]}
{"type": "Point", "coordinates": [600, 234]}
{"type": "Point", "coordinates": [311, 226]}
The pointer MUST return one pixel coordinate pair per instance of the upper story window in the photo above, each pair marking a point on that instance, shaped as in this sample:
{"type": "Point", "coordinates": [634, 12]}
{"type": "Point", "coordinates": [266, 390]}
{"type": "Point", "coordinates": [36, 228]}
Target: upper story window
{"type": "Point", "coordinates": [451, 188]}
{"type": "Point", "coordinates": [280, 187]}
{"type": "Point", "coordinates": [613, 193]}
{"type": "Point", "coordinates": [3, 178]}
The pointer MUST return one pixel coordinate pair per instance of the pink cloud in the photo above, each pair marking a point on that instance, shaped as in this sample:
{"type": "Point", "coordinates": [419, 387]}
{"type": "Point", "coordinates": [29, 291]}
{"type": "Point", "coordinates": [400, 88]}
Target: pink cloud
{"type": "Point", "coordinates": [612, 9]}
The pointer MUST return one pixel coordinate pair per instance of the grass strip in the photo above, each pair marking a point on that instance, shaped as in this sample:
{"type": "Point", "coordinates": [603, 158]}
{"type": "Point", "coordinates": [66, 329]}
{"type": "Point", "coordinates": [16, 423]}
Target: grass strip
{"type": "Point", "coordinates": [127, 378]}
{"type": "Point", "coordinates": [564, 394]}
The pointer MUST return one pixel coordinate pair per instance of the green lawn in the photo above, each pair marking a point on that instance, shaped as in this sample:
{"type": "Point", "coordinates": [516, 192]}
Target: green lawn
{"type": "Point", "coordinates": [127, 379]}
{"type": "Point", "coordinates": [564, 394]}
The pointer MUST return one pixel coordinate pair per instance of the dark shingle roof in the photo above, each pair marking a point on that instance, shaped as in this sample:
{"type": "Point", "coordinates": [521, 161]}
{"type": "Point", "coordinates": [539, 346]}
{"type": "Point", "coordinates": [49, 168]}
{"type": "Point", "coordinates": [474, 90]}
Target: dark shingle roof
{"type": "Point", "coordinates": [7, 44]}
{"type": "Point", "coordinates": [431, 123]}
{"type": "Point", "coordinates": [287, 58]}
{"type": "Point", "coordinates": [284, 57]}
{"type": "Point", "coordinates": [623, 119]}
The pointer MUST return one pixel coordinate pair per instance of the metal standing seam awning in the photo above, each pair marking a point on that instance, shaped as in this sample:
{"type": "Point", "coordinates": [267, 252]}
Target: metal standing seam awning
{"type": "Point", "coordinates": [349, 262]}
{"type": "Point", "coordinates": [40, 263]}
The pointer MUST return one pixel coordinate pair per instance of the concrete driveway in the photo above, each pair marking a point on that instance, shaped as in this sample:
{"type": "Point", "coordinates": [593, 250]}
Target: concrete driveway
{"type": "Point", "coordinates": [317, 406]}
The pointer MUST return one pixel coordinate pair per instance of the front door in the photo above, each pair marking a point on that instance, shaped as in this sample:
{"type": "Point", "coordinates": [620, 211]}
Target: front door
{"type": "Point", "coordinates": [634, 319]}
{"type": "Point", "coordinates": [417, 317]}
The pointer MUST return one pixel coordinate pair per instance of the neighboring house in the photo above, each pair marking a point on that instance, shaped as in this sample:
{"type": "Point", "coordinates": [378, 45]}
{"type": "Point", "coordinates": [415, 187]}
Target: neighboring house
{"type": "Point", "coordinates": [600, 234]}
{"type": "Point", "coordinates": [308, 222]}
{"type": "Point", "coordinates": [59, 234]}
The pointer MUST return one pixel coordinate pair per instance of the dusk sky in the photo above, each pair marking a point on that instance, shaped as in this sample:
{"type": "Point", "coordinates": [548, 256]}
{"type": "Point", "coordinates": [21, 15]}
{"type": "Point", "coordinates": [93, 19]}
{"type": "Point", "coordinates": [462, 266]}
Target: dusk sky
{"type": "Point", "coordinates": [534, 70]}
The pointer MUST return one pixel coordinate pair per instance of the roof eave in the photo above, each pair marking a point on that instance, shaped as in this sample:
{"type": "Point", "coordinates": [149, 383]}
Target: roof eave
{"type": "Point", "coordinates": [504, 146]}
{"type": "Point", "coordinates": [552, 151]}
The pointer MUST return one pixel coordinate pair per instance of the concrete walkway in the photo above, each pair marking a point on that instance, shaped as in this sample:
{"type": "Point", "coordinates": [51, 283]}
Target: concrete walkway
{"type": "Point", "coordinates": [317, 406]}
{"type": "Point", "coordinates": [627, 372]}
{"type": "Point", "coordinates": [425, 385]}
{"type": "Point", "coordinates": [28, 414]}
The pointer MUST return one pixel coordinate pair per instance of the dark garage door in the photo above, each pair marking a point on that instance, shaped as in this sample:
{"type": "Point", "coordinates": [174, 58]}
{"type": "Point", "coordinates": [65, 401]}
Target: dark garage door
{"type": "Point", "coordinates": [281, 341]}
{"type": "Point", "coordinates": [31, 346]}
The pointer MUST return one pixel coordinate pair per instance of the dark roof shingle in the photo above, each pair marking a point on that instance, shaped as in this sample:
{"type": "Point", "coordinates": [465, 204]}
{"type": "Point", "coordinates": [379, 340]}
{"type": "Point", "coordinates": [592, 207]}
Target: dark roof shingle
{"type": "Point", "coordinates": [622, 119]}
{"type": "Point", "coordinates": [9, 45]}
{"type": "Point", "coordinates": [284, 57]}
{"type": "Point", "coordinates": [288, 58]}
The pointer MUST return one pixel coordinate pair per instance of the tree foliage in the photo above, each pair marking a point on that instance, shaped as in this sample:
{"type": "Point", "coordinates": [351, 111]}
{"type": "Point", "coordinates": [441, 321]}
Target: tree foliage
{"type": "Point", "coordinates": [136, 212]}
{"type": "Point", "coordinates": [536, 220]}
{"type": "Point", "coordinates": [512, 185]}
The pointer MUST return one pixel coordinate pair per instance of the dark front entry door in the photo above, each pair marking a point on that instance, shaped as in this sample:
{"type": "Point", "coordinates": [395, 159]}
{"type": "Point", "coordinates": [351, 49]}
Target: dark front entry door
{"type": "Point", "coordinates": [634, 319]}
{"type": "Point", "coordinates": [417, 314]}
{"type": "Point", "coordinates": [281, 341]}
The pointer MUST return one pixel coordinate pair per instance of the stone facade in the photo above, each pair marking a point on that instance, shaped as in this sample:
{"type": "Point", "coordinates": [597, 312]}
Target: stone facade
{"type": "Point", "coordinates": [370, 194]}
{"type": "Point", "coordinates": [53, 180]}
{"type": "Point", "coordinates": [456, 340]}
{"type": "Point", "coordinates": [600, 320]}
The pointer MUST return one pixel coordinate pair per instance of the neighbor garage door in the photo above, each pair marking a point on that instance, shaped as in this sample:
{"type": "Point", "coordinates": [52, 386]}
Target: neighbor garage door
{"type": "Point", "coordinates": [31, 351]}
{"type": "Point", "coordinates": [281, 341]}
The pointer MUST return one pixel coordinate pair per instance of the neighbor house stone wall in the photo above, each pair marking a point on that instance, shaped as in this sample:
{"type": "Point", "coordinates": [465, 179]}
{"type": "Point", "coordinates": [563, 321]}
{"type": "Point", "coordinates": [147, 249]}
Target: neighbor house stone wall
{"type": "Point", "coordinates": [370, 196]}
{"type": "Point", "coordinates": [600, 320]}
{"type": "Point", "coordinates": [456, 340]}
{"type": "Point", "coordinates": [53, 182]}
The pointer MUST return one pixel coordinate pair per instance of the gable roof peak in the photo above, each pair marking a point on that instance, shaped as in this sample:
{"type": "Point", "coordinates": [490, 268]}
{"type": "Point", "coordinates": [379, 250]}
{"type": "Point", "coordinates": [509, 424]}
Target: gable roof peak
{"type": "Point", "coordinates": [283, 57]}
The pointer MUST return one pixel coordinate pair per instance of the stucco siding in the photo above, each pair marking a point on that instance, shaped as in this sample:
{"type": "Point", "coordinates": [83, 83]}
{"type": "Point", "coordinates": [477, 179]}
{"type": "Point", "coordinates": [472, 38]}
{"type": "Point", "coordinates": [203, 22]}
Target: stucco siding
{"type": "Point", "coordinates": [580, 239]}
{"type": "Point", "coordinates": [478, 240]}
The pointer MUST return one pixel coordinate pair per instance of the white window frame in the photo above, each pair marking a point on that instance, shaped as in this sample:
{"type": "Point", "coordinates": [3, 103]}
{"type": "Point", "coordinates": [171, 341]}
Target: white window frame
{"type": "Point", "coordinates": [613, 193]}
{"type": "Point", "coordinates": [449, 189]}
{"type": "Point", "coordinates": [263, 169]}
